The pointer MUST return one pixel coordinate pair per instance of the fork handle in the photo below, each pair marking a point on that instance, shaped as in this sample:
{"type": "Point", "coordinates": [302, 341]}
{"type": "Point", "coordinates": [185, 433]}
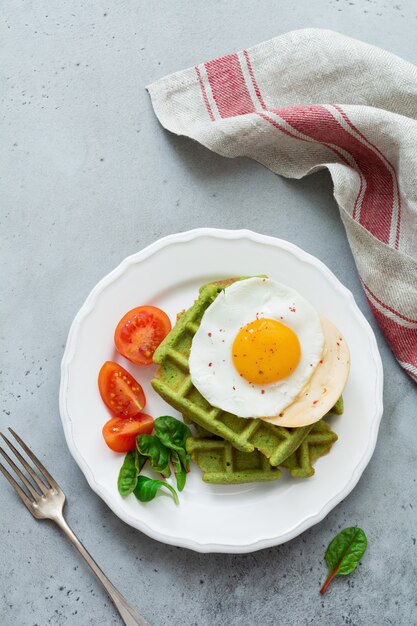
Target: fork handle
{"type": "Point", "coordinates": [128, 614]}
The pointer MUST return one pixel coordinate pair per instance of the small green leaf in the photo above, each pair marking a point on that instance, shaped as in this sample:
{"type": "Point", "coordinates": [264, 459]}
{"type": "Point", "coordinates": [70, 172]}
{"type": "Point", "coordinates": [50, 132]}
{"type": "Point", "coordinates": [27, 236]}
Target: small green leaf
{"type": "Point", "coordinates": [173, 435]}
{"type": "Point", "coordinates": [344, 553]}
{"type": "Point", "coordinates": [158, 454]}
{"type": "Point", "coordinates": [147, 488]}
{"type": "Point", "coordinates": [179, 470]}
{"type": "Point", "coordinates": [128, 475]}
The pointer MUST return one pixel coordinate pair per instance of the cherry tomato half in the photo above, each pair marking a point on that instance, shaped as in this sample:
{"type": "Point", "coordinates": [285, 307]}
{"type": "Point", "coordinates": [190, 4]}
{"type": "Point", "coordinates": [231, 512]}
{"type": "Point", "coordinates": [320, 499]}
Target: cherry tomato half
{"type": "Point", "coordinates": [140, 332]}
{"type": "Point", "coordinates": [121, 393]}
{"type": "Point", "coordinates": [120, 432]}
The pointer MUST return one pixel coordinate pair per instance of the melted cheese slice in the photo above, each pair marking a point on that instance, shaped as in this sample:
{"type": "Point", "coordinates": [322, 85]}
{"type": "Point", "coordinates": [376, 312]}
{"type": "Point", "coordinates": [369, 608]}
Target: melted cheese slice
{"type": "Point", "coordinates": [324, 387]}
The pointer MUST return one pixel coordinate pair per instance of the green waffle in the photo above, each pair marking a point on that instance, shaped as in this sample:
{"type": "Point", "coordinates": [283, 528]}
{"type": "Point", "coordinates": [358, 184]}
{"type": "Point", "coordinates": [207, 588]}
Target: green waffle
{"type": "Point", "coordinates": [317, 443]}
{"type": "Point", "coordinates": [173, 383]}
{"type": "Point", "coordinates": [338, 407]}
{"type": "Point", "coordinates": [223, 464]}
{"type": "Point", "coordinates": [201, 432]}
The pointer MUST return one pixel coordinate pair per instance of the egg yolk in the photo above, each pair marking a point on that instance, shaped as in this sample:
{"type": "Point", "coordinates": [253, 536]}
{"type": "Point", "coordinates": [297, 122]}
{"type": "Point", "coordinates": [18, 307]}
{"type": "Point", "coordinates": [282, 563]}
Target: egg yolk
{"type": "Point", "coordinates": [265, 351]}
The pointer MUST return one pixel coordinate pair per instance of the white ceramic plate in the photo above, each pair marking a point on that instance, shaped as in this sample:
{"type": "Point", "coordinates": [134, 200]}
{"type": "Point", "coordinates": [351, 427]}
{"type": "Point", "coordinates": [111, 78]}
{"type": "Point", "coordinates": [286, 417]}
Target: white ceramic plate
{"type": "Point", "coordinates": [217, 518]}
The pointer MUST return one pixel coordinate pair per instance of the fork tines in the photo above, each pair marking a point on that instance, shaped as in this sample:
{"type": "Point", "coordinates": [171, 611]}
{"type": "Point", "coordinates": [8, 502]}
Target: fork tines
{"type": "Point", "coordinates": [36, 488]}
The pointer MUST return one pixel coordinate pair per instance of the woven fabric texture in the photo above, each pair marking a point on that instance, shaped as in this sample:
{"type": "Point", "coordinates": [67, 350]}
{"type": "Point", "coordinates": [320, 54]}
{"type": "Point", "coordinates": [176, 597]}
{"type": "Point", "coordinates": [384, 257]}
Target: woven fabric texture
{"type": "Point", "coordinates": [312, 99]}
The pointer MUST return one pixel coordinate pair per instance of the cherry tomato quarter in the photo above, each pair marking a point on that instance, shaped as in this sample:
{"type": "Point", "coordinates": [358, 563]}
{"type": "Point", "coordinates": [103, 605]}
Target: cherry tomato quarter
{"type": "Point", "coordinates": [120, 432]}
{"type": "Point", "coordinates": [120, 392]}
{"type": "Point", "coordinates": [140, 332]}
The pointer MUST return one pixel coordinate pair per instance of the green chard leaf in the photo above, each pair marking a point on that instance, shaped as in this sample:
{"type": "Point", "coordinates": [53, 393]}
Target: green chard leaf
{"type": "Point", "coordinates": [147, 488]}
{"type": "Point", "coordinates": [128, 475]}
{"type": "Point", "coordinates": [180, 473]}
{"type": "Point", "coordinates": [150, 446]}
{"type": "Point", "coordinates": [344, 553]}
{"type": "Point", "coordinates": [173, 435]}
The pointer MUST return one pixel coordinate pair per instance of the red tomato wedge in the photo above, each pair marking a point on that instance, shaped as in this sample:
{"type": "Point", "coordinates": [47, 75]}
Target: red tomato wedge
{"type": "Point", "coordinates": [120, 432]}
{"type": "Point", "coordinates": [140, 332]}
{"type": "Point", "coordinates": [121, 393]}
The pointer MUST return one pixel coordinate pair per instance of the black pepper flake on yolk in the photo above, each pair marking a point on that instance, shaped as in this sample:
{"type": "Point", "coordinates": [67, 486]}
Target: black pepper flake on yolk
{"type": "Point", "coordinates": [270, 342]}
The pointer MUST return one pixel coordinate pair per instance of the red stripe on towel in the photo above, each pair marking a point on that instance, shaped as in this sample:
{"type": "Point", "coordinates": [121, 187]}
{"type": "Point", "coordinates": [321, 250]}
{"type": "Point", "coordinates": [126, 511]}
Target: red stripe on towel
{"type": "Point", "coordinates": [204, 94]}
{"type": "Point", "coordinates": [394, 172]}
{"type": "Point", "coordinates": [228, 86]}
{"type": "Point", "coordinates": [377, 203]}
{"type": "Point", "coordinates": [254, 81]}
{"type": "Point", "coordinates": [388, 308]}
{"type": "Point", "coordinates": [402, 340]}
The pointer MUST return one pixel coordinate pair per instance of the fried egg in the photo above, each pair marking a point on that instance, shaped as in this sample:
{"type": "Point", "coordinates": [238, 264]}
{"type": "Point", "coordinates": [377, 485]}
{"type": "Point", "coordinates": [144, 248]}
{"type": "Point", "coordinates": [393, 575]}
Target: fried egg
{"type": "Point", "coordinates": [257, 347]}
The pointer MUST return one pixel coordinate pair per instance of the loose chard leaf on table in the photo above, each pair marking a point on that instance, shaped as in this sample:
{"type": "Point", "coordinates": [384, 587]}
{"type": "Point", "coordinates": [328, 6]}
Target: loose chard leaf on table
{"type": "Point", "coordinates": [150, 446]}
{"type": "Point", "coordinates": [147, 488]}
{"type": "Point", "coordinates": [128, 475]}
{"type": "Point", "coordinates": [344, 553]}
{"type": "Point", "coordinates": [173, 435]}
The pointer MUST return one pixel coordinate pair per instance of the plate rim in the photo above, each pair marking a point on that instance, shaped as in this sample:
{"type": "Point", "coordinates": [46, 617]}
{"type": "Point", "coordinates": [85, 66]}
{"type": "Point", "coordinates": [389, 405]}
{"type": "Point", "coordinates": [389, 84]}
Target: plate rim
{"type": "Point", "coordinates": [150, 250]}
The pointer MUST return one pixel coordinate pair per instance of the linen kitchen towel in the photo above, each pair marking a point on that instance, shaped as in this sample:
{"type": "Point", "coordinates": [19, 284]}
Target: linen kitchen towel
{"type": "Point", "coordinates": [312, 99]}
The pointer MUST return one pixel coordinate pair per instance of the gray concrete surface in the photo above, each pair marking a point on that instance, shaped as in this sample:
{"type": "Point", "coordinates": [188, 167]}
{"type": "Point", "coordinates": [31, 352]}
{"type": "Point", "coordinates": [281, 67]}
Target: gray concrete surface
{"type": "Point", "coordinates": [88, 177]}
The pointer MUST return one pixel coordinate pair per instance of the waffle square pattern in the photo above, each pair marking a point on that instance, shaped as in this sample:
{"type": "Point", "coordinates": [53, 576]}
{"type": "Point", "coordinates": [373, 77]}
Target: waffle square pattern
{"type": "Point", "coordinates": [173, 383]}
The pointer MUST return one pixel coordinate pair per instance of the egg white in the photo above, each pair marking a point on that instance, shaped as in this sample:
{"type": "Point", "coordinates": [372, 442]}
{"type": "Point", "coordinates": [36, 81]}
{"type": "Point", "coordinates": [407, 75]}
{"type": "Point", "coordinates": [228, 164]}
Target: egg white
{"type": "Point", "coordinates": [211, 367]}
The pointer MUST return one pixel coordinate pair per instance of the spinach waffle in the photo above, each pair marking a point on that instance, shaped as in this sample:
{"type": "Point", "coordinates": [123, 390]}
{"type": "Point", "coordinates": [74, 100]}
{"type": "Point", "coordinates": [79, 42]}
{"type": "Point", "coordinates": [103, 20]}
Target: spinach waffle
{"type": "Point", "coordinates": [173, 383]}
{"type": "Point", "coordinates": [223, 464]}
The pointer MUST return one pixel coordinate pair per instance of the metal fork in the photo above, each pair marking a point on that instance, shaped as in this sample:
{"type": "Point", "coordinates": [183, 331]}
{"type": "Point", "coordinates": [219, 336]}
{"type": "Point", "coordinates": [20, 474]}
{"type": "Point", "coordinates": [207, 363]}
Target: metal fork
{"type": "Point", "coordinates": [45, 500]}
